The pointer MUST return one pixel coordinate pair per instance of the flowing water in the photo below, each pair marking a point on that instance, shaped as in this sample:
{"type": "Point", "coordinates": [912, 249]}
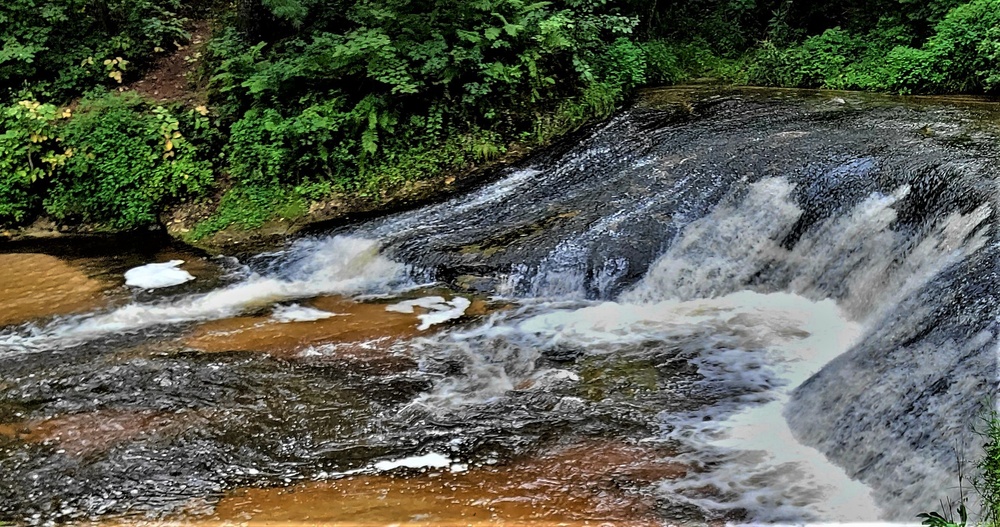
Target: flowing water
{"type": "Point", "coordinates": [742, 307]}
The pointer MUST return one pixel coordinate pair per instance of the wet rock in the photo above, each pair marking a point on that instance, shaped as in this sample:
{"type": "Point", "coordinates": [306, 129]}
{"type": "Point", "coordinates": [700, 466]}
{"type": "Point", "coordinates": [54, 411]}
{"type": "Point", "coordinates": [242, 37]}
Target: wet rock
{"type": "Point", "coordinates": [478, 284]}
{"type": "Point", "coordinates": [562, 353]}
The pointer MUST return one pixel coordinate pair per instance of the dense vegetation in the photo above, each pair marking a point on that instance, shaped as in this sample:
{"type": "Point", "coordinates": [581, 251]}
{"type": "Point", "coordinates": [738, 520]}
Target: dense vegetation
{"type": "Point", "coordinates": [306, 98]}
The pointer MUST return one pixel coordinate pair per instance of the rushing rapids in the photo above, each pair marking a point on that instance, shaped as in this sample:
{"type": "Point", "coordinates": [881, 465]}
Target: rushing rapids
{"type": "Point", "coordinates": [783, 304]}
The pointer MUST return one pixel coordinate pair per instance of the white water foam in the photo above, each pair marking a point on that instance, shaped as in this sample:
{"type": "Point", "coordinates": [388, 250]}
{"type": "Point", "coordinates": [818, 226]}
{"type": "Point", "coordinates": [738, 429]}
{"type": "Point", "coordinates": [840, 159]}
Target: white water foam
{"type": "Point", "coordinates": [752, 348]}
{"type": "Point", "coordinates": [855, 256]}
{"type": "Point", "coordinates": [297, 313]}
{"type": "Point", "coordinates": [430, 460]}
{"type": "Point", "coordinates": [157, 275]}
{"type": "Point", "coordinates": [340, 265]}
{"type": "Point", "coordinates": [441, 310]}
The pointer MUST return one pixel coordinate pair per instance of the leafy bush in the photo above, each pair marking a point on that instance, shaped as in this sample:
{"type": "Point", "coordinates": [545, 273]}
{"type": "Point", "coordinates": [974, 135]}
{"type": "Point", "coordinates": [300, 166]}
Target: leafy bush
{"type": "Point", "coordinates": [57, 48]}
{"type": "Point", "coordinates": [127, 160]}
{"type": "Point", "coordinates": [961, 55]}
{"type": "Point", "coordinates": [338, 98]}
{"type": "Point", "coordinates": [774, 66]}
{"type": "Point", "coordinates": [964, 46]}
{"type": "Point", "coordinates": [662, 63]}
{"type": "Point", "coordinates": [311, 97]}
{"type": "Point", "coordinates": [824, 59]}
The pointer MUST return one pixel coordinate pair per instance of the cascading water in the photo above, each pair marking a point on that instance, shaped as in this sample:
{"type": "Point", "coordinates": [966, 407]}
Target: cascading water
{"type": "Point", "coordinates": [794, 296]}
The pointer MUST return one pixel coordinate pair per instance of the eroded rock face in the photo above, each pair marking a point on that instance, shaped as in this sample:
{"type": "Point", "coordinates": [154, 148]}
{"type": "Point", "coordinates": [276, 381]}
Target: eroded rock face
{"type": "Point", "coordinates": [37, 285]}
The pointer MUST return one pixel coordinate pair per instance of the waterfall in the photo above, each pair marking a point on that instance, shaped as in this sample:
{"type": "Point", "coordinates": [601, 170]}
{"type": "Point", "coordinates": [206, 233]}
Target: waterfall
{"type": "Point", "coordinates": [801, 295]}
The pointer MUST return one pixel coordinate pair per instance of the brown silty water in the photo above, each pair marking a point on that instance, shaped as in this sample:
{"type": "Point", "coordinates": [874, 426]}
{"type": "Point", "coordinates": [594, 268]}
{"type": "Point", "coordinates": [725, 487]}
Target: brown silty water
{"type": "Point", "coordinates": [38, 285]}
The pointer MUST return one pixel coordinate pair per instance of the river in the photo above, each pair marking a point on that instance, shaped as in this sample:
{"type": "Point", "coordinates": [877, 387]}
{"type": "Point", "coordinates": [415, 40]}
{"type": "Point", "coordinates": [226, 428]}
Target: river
{"type": "Point", "coordinates": [745, 306]}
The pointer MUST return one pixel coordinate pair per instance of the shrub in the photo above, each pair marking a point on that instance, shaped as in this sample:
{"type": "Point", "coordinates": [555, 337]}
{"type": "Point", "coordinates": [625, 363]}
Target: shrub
{"type": "Point", "coordinates": [57, 48]}
{"type": "Point", "coordinates": [773, 66]}
{"type": "Point", "coordinates": [822, 60]}
{"type": "Point", "coordinates": [663, 66]}
{"type": "Point", "coordinates": [964, 45]}
{"type": "Point", "coordinates": [29, 153]}
{"type": "Point", "coordinates": [127, 160]}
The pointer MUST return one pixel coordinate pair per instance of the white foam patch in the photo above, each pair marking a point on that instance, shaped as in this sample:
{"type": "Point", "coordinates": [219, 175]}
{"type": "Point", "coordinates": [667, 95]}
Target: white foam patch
{"type": "Point", "coordinates": [335, 349]}
{"type": "Point", "coordinates": [297, 313]}
{"type": "Point", "coordinates": [157, 275]}
{"type": "Point", "coordinates": [872, 265]}
{"type": "Point", "coordinates": [431, 460]}
{"type": "Point", "coordinates": [441, 310]}
{"type": "Point", "coordinates": [751, 348]}
{"type": "Point", "coordinates": [767, 343]}
{"type": "Point", "coordinates": [342, 265]}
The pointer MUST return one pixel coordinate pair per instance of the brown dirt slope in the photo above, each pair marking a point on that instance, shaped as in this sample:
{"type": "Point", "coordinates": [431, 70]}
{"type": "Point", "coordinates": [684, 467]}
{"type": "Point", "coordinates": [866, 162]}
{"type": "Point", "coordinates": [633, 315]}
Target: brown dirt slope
{"type": "Point", "coordinates": [172, 78]}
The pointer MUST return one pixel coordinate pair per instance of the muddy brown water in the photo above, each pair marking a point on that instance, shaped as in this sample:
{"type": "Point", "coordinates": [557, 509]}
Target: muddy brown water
{"type": "Point", "coordinates": [578, 485]}
{"type": "Point", "coordinates": [352, 322]}
{"type": "Point", "coordinates": [39, 285]}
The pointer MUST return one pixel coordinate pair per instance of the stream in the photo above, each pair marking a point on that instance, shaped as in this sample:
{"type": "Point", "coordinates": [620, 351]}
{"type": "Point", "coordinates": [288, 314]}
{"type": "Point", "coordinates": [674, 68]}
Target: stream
{"type": "Point", "coordinates": [719, 306]}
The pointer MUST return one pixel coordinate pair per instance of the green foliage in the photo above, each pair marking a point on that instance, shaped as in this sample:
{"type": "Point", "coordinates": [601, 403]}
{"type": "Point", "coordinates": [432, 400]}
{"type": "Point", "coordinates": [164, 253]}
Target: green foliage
{"type": "Point", "coordinates": [370, 95]}
{"type": "Point", "coordinates": [965, 46]}
{"type": "Point", "coordinates": [662, 63]}
{"type": "Point", "coordinates": [57, 48]}
{"type": "Point", "coordinates": [250, 207]}
{"type": "Point", "coordinates": [128, 159]}
{"type": "Point", "coordinates": [936, 519]}
{"type": "Point", "coordinates": [909, 47]}
{"type": "Point", "coordinates": [987, 484]}
{"type": "Point", "coordinates": [826, 57]}
{"type": "Point", "coordinates": [28, 153]}
{"type": "Point", "coordinates": [113, 161]}
{"type": "Point", "coordinates": [774, 66]}
{"type": "Point", "coordinates": [313, 97]}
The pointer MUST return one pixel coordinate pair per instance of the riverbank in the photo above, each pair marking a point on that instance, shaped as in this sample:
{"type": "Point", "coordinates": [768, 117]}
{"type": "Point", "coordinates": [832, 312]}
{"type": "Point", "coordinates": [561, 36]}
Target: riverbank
{"type": "Point", "coordinates": [181, 221]}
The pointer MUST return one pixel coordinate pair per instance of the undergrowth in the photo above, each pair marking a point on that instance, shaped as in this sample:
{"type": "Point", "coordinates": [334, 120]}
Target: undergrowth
{"type": "Point", "coordinates": [985, 485]}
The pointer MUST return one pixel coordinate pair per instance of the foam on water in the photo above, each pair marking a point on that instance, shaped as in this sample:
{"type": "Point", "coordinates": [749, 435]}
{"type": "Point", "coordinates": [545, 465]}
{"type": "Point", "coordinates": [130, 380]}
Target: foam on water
{"type": "Point", "coordinates": [768, 343]}
{"type": "Point", "coordinates": [716, 290]}
{"type": "Point", "coordinates": [857, 258]}
{"type": "Point", "coordinates": [755, 283]}
{"type": "Point", "coordinates": [751, 347]}
{"type": "Point", "coordinates": [440, 310]}
{"type": "Point", "coordinates": [297, 313]}
{"type": "Point", "coordinates": [431, 460]}
{"type": "Point", "coordinates": [157, 275]}
{"type": "Point", "coordinates": [339, 265]}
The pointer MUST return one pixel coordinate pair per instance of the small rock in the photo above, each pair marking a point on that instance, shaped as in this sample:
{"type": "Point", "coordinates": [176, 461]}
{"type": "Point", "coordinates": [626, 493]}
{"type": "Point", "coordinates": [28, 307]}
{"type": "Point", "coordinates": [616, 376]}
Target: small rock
{"type": "Point", "coordinates": [480, 284]}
